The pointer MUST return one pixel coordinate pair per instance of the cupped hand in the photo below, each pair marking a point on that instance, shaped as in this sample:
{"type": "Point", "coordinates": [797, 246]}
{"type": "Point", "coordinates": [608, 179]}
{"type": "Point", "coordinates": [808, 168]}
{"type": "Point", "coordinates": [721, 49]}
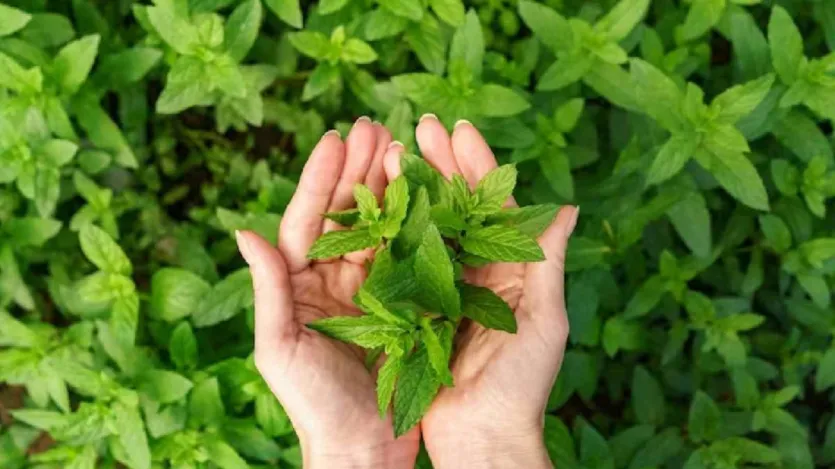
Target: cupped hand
{"type": "Point", "coordinates": [323, 384]}
{"type": "Point", "coordinates": [493, 416]}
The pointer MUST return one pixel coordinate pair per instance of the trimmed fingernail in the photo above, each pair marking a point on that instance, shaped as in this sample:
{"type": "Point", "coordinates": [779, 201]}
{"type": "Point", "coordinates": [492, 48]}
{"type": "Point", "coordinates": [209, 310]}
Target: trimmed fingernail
{"type": "Point", "coordinates": [462, 122]}
{"type": "Point", "coordinates": [363, 119]}
{"type": "Point", "coordinates": [395, 143]}
{"type": "Point", "coordinates": [332, 132]}
{"type": "Point", "coordinates": [428, 115]}
{"type": "Point", "coordinates": [573, 222]}
{"type": "Point", "coordinates": [243, 245]}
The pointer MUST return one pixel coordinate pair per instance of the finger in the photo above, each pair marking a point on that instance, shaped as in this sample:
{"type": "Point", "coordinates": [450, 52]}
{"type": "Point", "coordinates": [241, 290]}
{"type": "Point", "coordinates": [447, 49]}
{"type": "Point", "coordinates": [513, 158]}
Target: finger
{"type": "Point", "coordinates": [376, 181]}
{"type": "Point", "coordinates": [376, 177]}
{"type": "Point", "coordinates": [544, 291]}
{"type": "Point", "coordinates": [391, 160]}
{"type": "Point", "coordinates": [274, 322]}
{"type": "Point", "coordinates": [359, 151]}
{"type": "Point", "coordinates": [472, 154]}
{"type": "Point", "coordinates": [433, 141]}
{"type": "Point", "coordinates": [302, 220]}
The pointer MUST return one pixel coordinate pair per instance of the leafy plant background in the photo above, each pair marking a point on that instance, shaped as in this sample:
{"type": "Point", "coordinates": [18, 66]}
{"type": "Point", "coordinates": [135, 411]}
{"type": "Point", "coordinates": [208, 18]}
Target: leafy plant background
{"type": "Point", "coordinates": [135, 137]}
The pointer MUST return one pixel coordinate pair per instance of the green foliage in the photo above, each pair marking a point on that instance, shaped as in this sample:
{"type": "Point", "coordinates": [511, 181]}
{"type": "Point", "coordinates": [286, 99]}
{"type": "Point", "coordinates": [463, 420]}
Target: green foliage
{"type": "Point", "coordinates": [137, 135]}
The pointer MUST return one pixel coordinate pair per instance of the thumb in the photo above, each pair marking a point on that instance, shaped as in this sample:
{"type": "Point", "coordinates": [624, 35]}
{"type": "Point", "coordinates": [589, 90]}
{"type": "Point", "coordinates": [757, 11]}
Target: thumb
{"type": "Point", "coordinates": [544, 289]}
{"type": "Point", "coordinates": [274, 321]}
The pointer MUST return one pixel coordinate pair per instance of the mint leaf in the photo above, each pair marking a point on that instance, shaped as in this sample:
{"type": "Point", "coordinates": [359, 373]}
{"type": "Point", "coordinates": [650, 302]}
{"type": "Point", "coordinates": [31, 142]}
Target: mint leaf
{"type": "Point", "coordinates": [12, 20]}
{"type": "Point", "coordinates": [648, 401]}
{"type": "Point", "coordinates": [182, 346]}
{"type": "Point", "coordinates": [386, 380]}
{"type": "Point", "coordinates": [531, 220]}
{"type": "Point", "coordinates": [337, 243]}
{"type": "Point", "coordinates": [366, 203]}
{"type": "Point", "coordinates": [130, 431]}
{"type": "Point", "coordinates": [672, 157]}
{"type": "Point", "coordinates": [494, 189]}
{"type": "Point", "coordinates": [74, 61]}
{"type": "Point", "coordinates": [786, 45]}
{"type": "Point", "coordinates": [467, 45]}
{"type": "Point", "coordinates": [438, 357]}
{"type": "Point", "coordinates": [416, 388]}
{"type": "Point", "coordinates": [347, 218]}
{"type": "Point", "coordinates": [547, 25]}
{"type": "Point", "coordinates": [738, 101]}
{"type": "Point", "coordinates": [435, 276]}
{"type": "Point", "coordinates": [390, 280]}
{"type": "Point", "coordinates": [242, 29]}
{"type": "Point", "coordinates": [419, 173]}
{"type": "Point", "coordinates": [488, 309]}
{"type": "Point", "coordinates": [226, 299]}
{"type": "Point", "coordinates": [102, 251]}
{"type": "Point", "coordinates": [396, 203]}
{"type": "Point", "coordinates": [412, 231]}
{"type": "Point", "coordinates": [705, 419]}
{"type": "Point", "coordinates": [164, 386]}
{"type": "Point", "coordinates": [502, 244]}
{"type": "Point", "coordinates": [175, 293]}
{"type": "Point", "coordinates": [288, 11]}
{"type": "Point", "coordinates": [738, 176]}
{"type": "Point", "coordinates": [622, 18]}
{"type": "Point", "coordinates": [371, 305]}
{"type": "Point", "coordinates": [367, 331]}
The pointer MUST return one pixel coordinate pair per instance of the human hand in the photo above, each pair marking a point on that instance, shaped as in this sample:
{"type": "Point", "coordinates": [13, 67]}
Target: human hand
{"type": "Point", "coordinates": [323, 384]}
{"type": "Point", "coordinates": [493, 416]}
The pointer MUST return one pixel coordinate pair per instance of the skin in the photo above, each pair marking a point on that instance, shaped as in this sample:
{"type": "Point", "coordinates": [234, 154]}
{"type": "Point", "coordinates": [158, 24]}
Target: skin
{"type": "Point", "coordinates": [493, 416]}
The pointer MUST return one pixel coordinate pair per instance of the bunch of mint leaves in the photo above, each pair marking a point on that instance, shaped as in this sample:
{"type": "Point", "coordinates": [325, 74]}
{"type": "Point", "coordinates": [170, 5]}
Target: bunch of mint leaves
{"type": "Point", "coordinates": [416, 296]}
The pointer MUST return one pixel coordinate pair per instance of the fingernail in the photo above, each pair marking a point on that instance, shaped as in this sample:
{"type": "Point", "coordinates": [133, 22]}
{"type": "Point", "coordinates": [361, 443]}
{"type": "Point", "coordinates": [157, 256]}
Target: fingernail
{"type": "Point", "coordinates": [428, 115]}
{"type": "Point", "coordinates": [243, 245]}
{"type": "Point", "coordinates": [395, 143]}
{"type": "Point", "coordinates": [362, 119]}
{"type": "Point", "coordinates": [462, 122]}
{"type": "Point", "coordinates": [573, 222]}
{"type": "Point", "coordinates": [332, 132]}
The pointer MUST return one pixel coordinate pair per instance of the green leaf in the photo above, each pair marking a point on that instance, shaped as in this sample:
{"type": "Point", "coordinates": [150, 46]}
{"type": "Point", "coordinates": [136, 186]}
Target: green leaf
{"type": "Point", "coordinates": [502, 244]}
{"type": "Point", "coordinates": [658, 450]}
{"type": "Point", "coordinates": [438, 357]}
{"type": "Point", "coordinates": [647, 397]}
{"type": "Point", "coordinates": [366, 203]}
{"type": "Point", "coordinates": [187, 85]}
{"type": "Point", "coordinates": [337, 243]}
{"type": "Point", "coordinates": [310, 43]}
{"type": "Point", "coordinates": [164, 386]}
{"type": "Point", "coordinates": [704, 420]}
{"type": "Point", "coordinates": [175, 293]}
{"type": "Point", "coordinates": [547, 25]}
{"type": "Point", "coordinates": [205, 405]}
{"type": "Point", "coordinates": [825, 376]}
{"type": "Point", "coordinates": [467, 44]}
{"type": "Point", "coordinates": [288, 11]}
{"type": "Point", "coordinates": [488, 309]}
{"type": "Point", "coordinates": [702, 16]}
{"type": "Point", "coordinates": [12, 20]}
{"type": "Point", "coordinates": [646, 298]}
{"type": "Point", "coordinates": [224, 456]}
{"type": "Point", "coordinates": [324, 77]}
{"type": "Point", "coordinates": [125, 67]}
{"type": "Point", "coordinates": [405, 8]}
{"type": "Point", "coordinates": [450, 12]}
{"type": "Point", "coordinates": [691, 220]}
{"type": "Point", "coordinates": [173, 27]}
{"type": "Point", "coordinates": [386, 380]}
{"type": "Point", "coordinates": [776, 232]}
{"type": "Point", "coordinates": [30, 231]}
{"type": "Point", "coordinates": [735, 173]}
{"type": "Point", "coordinates": [345, 218]}
{"type": "Point", "coordinates": [383, 24]}
{"type": "Point", "coordinates": [672, 157]}
{"type": "Point", "coordinates": [15, 334]}
{"type": "Point", "coordinates": [658, 94]}
{"type": "Point", "coordinates": [224, 300]}
{"type": "Point", "coordinates": [557, 171]}
{"type": "Point", "coordinates": [367, 331]}
{"type": "Point", "coordinates": [395, 206]}
{"type": "Point", "coordinates": [74, 61]}
{"type": "Point", "coordinates": [182, 346]}
{"type": "Point", "coordinates": [818, 251]}
{"type": "Point", "coordinates": [241, 29]}
{"type": "Point", "coordinates": [786, 45]}
{"type": "Point", "coordinates": [357, 51]}
{"type": "Point", "coordinates": [738, 101]}
{"type": "Point", "coordinates": [435, 276]}
{"type": "Point", "coordinates": [428, 42]}
{"type": "Point", "coordinates": [494, 190]}
{"type": "Point", "coordinates": [326, 7]}
{"type": "Point", "coordinates": [531, 220]}
{"type": "Point", "coordinates": [498, 101]}
{"type": "Point", "coordinates": [568, 114]}
{"type": "Point", "coordinates": [130, 430]}
{"type": "Point", "coordinates": [416, 388]}
{"type": "Point", "coordinates": [102, 251]}
{"type": "Point", "coordinates": [622, 18]}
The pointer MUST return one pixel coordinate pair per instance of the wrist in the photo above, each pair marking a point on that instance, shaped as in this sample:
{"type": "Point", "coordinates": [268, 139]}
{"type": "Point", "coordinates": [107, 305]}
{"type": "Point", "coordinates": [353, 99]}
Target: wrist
{"type": "Point", "coordinates": [490, 448]}
{"type": "Point", "coordinates": [358, 454]}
